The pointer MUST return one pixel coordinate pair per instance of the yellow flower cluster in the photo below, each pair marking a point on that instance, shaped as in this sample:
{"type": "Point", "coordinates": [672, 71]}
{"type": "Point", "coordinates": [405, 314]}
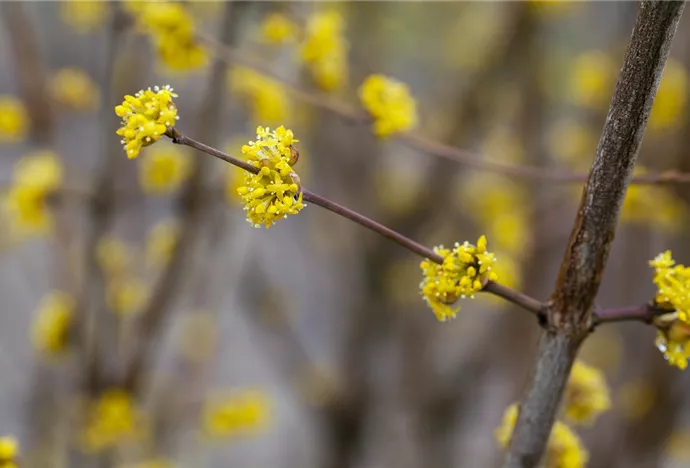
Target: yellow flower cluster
{"type": "Point", "coordinates": [563, 450]}
{"type": "Point", "coordinates": [113, 255]}
{"type": "Point", "coordinates": [239, 413]}
{"type": "Point", "coordinates": [83, 16]}
{"type": "Point", "coordinates": [274, 192]}
{"type": "Point", "coordinates": [389, 103]}
{"type": "Point", "coordinates": [325, 49]}
{"type": "Point", "coordinates": [593, 79]}
{"type": "Point", "coordinates": [277, 28]}
{"type": "Point", "coordinates": [14, 120]}
{"type": "Point", "coordinates": [74, 89]}
{"type": "Point", "coordinates": [173, 31]}
{"type": "Point", "coordinates": [126, 294]}
{"type": "Point", "coordinates": [269, 102]}
{"type": "Point", "coordinates": [586, 394]}
{"type": "Point", "coordinates": [35, 177]}
{"type": "Point", "coordinates": [146, 116]}
{"type": "Point", "coordinates": [161, 242]}
{"type": "Point", "coordinates": [674, 343]}
{"type": "Point", "coordinates": [112, 419]}
{"type": "Point", "coordinates": [671, 97]}
{"type": "Point", "coordinates": [673, 285]}
{"type": "Point", "coordinates": [464, 271]}
{"type": "Point", "coordinates": [50, 327]}
{"type": "Point", "coordinates": [9, 449]}
{"type": "Point", "coordinates": [163, 171]}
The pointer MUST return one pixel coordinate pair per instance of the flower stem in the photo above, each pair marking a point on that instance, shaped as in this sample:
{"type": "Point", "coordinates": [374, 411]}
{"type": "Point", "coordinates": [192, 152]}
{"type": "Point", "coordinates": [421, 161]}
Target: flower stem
{"type": "Point", "coordinates": [639, 313]}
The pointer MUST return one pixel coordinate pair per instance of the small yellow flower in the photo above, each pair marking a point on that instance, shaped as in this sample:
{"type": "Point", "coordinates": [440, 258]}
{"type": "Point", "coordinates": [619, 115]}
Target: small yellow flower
{"type": "Point", "coordinates": [671, 97]}
{"type": "Point", "coordinates": [51, 324]}
{"type": "Point", "coordinates": [112, 419]}
{"type": "Point", "coordinates": [586, 395]}
{"type": "Point", "coordinates": [113, 255]}
{"type": "Point", "coordinates": [464, 271]}
{"type": "Point", "coordinates": [673, 285]}
{"type": "Point", "coordinates": [563, 450]}
{"type": "Point", "coordinates": [389, 103]}
{"type": "Point", "coordinates": [146, 116]}
{"type": "Point", "coordinates": [9, 449]}
{"type": "Point", "coordinates": [268, 99]}
{"type": "Point", "coordinates": [277, 28]}
{"type": "Point", "coordinates": [593, 79]}
{"type": "Point", "coordinates": [14, 120]}
{"type": "Point", "coordinates": [325, 49]}
{"type": "Point", "coordinates": [161, 242]}
{"type": "Point", "coordinates": [674, 343]}
{"type": "Point", "coordinates": [83, 16]}
{"type": "Point", "coordinates": [274, 192]}
{"type": "Point", "coordinates": [173, 31]}
{"type": "Point", "coordinates": [242, 412]}
{"type": "Point", "coordinates": [126, 296]}
{"type": "Point", "coordinates": [75, 89]}
{"type": "Point", "coordinates": [164, 170]}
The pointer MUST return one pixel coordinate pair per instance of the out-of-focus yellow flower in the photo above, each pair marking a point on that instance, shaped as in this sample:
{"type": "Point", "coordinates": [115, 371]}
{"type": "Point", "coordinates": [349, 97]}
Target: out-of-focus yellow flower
{"type": "Point", "coordinates": [586, 395]}
{"type": "Point", "coordinates": [274, 192]}
{"type": "Point", "coordinates": [509, 270]}
{"type": "Point", "coordinates": [14, 120]}
{"type": "Point", "coordinates": [83, 16]}
{"type": "Point", "coordinates": [75, 89]}
{"type": "Point", "coordinates": [126, 296]}
{"type": "Point", "coordinates": [269, 102]}
{"type": "Point", "coordinates": [242, 412]}
{"type": "Point", "coordinates": [593, 79]}
{"type": "Point", "coordinates": [163, 170]}
{"type": "Point", "coordinates": [464, 271]}
{"type": "Point", "coordinates": [112, 419]}
{"type": "Point", "coordinates": [389, 103]}
{"type": "Point", "coordinates": [40, 170]}
{"type": "Point", "coordinates": [325, 49]}
{"type": "Point", "coordinates": [563, 450]}
{"type": "Point", "coordinates": [113, 255]}
{"type": "Point", "coordinates": [51, 323]}
{"type": "Point", "coordinates": [277, 28]}
{"type": "Point", "coordinates": [645, 204]}
{"type": "Point", "coordinates": [161, 242]}
{"type": "Point", "coordinates": [635, 399]}
{"type": "Point", "coordinates": [553, 7]}
{"type": "Point", "coordinates": [146, 116]}
{"type": "Point", "coordinates": [572, 143]}
{"type": "Point", "coordinates": [671, 97]}
{"type": "Point", "coordinates": [9, 449]}
{"type": "Point", "coordinates": [173, 31]}
{"type": "Point", "coordinates": [673, 285]}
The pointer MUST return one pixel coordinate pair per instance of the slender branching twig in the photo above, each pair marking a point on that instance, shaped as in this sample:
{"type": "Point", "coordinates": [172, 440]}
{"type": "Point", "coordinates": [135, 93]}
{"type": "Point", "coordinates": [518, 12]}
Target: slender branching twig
{"type": "Point", "coordinates": [570, 314]}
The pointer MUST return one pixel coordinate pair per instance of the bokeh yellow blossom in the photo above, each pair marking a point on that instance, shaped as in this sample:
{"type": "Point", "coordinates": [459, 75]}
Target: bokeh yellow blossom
{"type": "Point", "coordinates": [277, 28]}
{"type": "Point", "coordinates": [274, 192]}
{"type": "Point", "coordinates": [173, 31]}
{"type": "Point", "coordinates": [9, 450]}
{"type": "Point", "coordinates": [673, 285]}
{"type": "Point", "coordinates": [14, 120]}
{"type": "Point", "coordinates": [163, 170]}
{"type": "Point", "coordinates": [671, 97]}
{"type": "Point", "coordinates": [572, 143]}
{"type": "Point", "coordinates": [50, 326]}
{"type": "Point", "coordinates": [126, 296]}
{"type": "Point", "coordinates": [113, 255]}
{"type": "Point", "coordinates": [268, 100]}
{"type": "Point", "coordinates": [593, 79]}
{"type": "Point", "coordinates": [674, 343]}
{"type": "Point", "coordinates": [586, 394]}
{"type": "Point", "coordinates": [112, 419]}
{"type": "Point", "coordinates": [75, 89]}
{"type": "Point", "coordinates": [389, 103]}
{"type": "Point", "coordinates": [325, 49]}
{"type": "Point", "coordinates": [146, 116]}
{"type": "Point", "coordinates": [653, 204]}
{"type": "Point", "coordinates": [464, 271]}
{"type": "Point", "coordinates": [83, 16]}
{"type": "Point", "coordinates": [161, 242]}
{"type": "Point", "coordinates": [563, 450]}
{"type": "Point", "coordinates": [636, 398]}
{"type": "Point", "coordinates": [238, 413]}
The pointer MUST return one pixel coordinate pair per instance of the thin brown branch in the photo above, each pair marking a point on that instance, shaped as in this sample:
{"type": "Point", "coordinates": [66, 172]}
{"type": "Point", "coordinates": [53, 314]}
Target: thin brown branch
{"type": "Point", "coordinates": [415, 140]}
{"type": "Point", "coordinates": [572, 304]}
{"type": "Point", "coordinates": [645, 313]}
{"type": "Point", "coordinates": [528, 303]}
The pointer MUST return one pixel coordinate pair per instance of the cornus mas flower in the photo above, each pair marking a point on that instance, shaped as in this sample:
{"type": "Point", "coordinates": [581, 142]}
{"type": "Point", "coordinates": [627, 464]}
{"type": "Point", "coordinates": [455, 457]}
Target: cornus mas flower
{"type": "Point", "coordinates": [9, 449]}
{"type": "Point", "coordinates": [464, 271]}
{"type": "Point", "coordinates": [274, 192]}
{"type": "Point", "coordinates": [50, 327]}
{"type": "Point", "coordinates": [163, 171]}
{"type": "Point", "coordinates": [586, 395]}
{"type": "Point", "coordinates": [674, 343]}
{"type": "Point", "coordinates": [673, 285]}
{"type": "Point", "coordinates": [14, 120]}
{"type": "Point", "coordinates": [389, 103]}
{"type": "Point", "coordinates": [325, 48]}
{"type": "Point", "coordinates": [74, 89]}
{"type": "Point", "coordinates": [563, 450]}
{"type": "Point", "coordinates": [277, 29]}
{"type": "Point", "coordinates": [145, 118]}
{"type": "Point", "coordinates": [241, 412]}
{"type": "Point", "coordinates": [269, 102]}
